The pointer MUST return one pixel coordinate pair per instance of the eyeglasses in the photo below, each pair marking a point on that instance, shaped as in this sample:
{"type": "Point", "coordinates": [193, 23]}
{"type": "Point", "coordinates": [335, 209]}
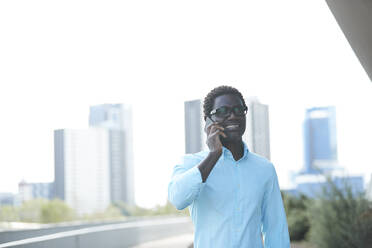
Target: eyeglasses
{"type": "Point", "coordinates": [224, 112]}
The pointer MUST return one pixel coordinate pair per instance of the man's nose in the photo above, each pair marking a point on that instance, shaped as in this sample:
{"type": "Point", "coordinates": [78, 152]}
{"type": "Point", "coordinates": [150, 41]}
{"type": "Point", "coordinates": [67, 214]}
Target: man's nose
{"type": "Point", "coordinates": [232, 116]}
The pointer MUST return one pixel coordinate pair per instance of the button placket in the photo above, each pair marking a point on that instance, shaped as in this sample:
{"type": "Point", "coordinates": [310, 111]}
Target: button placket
{"type": "Point", "coordinates": [237, 207]}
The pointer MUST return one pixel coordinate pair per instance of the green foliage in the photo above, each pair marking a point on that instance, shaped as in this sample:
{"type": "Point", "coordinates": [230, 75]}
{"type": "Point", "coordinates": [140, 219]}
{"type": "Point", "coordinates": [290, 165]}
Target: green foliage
{"type": "Point", "coordinates": [53, 211]}
{"type": "Point", "coordinates": [132, 210]}
{"type": "Point", "coordinates": [8, 214]}
{"type": "Point", "coordinates": [111, 213]}
{"type": "Point", "coordinates": [30, 211]}
{"type": "Point", "coordinates": [167, 209]}
{"type": "Point", "coordinates": [38, 211]}
{"type": "Point", "coordinates": [297, 216]}
{"type": "Point", "coordinates": [56, 211]}
{"type": "Point", "coordinates": [340, 219]}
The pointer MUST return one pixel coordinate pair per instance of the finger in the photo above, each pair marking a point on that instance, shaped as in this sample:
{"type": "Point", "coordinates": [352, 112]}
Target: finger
{"type": "Point", "coordinates": [207, 128]}
{"type": "Point", "coordinates": [217, 123]}
{"type": "Point", "coordinates": [213, 134]}
{"type": "Point", "coordinates": [223, 134]}
{"type": "Point", "coordinates": [216, 133]}
{"type": "Point", "coordinates": [216, 127]}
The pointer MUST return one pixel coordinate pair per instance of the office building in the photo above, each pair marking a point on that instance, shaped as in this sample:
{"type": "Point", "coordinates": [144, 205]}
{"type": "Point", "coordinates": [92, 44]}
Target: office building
{"type": "Point", "coordinates": [195, 136]}
{"type": "Point", "coordinates": [257, 132]}
{"type": "Point", "coordinates": [82, 176]}
{"type": "Point", "coordinates": [320, 141]}
{"type": "Point", "coordinates": [28, 191]}
{"type": "Point", "coordinates": [7, 198]}
{"type": "Point", "coordinates": [320, 155]}
{"type": "Point", "coordinates": [24, 191]}
{"type": "Point", "coordinates": [117, 120]}
{"type": "Point", "coordinates": [312, 185]}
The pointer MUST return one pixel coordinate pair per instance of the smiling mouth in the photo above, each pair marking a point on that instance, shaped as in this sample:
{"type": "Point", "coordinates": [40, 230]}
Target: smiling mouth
{"type": "Point", "coordinates": [235, 126]}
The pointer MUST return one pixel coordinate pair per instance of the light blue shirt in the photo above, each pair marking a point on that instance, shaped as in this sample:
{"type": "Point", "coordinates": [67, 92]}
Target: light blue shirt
{"type": "Point", "coordinates": [239, 201]}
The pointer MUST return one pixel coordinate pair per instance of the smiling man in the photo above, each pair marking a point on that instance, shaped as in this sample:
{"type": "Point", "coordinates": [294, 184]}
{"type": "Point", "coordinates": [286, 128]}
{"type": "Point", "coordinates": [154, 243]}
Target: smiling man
{"type": "Point", "coordinates": [232, 194]}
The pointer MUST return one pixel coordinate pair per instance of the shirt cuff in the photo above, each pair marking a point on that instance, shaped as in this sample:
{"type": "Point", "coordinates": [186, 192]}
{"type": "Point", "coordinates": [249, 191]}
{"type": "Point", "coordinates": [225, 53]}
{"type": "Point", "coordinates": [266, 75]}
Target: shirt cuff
{"type": "Point", "coordinates": [194, 176]}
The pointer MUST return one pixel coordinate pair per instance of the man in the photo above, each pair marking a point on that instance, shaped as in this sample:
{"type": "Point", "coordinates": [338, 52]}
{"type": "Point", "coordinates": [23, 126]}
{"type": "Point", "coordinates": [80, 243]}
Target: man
{"type": "Point", "coordinates": [233, 194]}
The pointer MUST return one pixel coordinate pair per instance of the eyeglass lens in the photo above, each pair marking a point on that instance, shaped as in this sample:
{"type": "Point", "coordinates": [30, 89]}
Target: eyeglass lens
{"type": "Point", "coordinates": [224, 112]}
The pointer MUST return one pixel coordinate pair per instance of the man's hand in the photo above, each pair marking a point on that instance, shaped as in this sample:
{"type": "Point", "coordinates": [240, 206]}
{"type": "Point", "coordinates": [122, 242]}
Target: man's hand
{"type": "Point", "coordinates": [214, 130]}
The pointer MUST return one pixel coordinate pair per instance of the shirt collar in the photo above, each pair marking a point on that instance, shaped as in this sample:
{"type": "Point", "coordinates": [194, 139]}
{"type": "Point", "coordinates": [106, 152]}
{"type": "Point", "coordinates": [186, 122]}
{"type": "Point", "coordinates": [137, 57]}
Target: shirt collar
{"type": "Point", "coordinates": [227, 154]}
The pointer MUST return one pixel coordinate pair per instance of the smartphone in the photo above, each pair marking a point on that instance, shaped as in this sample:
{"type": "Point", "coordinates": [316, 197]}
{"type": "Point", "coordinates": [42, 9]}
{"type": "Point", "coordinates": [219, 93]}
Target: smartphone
{"type": "Point", "coordinates": [208, 122]}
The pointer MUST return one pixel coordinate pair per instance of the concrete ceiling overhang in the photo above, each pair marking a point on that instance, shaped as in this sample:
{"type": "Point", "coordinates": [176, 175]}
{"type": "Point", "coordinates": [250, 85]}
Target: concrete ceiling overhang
{"type": "Point", "coordinates": [355, 20]}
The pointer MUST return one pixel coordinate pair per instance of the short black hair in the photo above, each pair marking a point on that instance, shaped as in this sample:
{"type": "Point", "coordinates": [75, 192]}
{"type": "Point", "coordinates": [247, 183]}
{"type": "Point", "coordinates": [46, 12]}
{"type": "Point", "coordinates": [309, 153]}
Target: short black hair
{"type": "Point", "coordinates": [219, 91]}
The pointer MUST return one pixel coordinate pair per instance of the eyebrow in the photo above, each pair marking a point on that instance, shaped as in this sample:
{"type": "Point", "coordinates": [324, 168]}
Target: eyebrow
{"type": "Point", "coordinates": [229, 106]}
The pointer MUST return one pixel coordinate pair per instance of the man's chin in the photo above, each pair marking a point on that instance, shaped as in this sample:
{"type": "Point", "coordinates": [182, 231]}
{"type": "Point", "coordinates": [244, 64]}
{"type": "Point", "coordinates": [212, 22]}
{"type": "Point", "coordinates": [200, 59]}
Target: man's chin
{"type": "Point", "coordinates": [231, 137]}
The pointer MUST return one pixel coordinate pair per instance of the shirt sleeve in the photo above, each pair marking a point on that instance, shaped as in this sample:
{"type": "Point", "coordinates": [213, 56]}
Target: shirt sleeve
{"type": "Point", "coordinates": [274, 222]}
{"type": "Point", "coordinates": [185, 184]}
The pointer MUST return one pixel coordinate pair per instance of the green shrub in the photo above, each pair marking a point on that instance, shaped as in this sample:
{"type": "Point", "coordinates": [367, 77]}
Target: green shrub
{"type": "Point", "coordinates": [110, 213]}
{"type": "Point", "coordinates": [297, 216]}
{"type": "Point", "coordinates": [56, 211]}
{"type": "Point", "coordinates": [8, 213]}
{"type": "Point", "coordinates": [30, 211]}
{"type": "Point", "coordinates": [340, 219]}
{"type": "Point", "coordinates": [167, 209]}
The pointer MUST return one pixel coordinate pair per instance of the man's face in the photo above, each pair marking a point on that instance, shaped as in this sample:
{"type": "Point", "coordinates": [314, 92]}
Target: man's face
{"type": "Point", "coordinates": [234, 125]}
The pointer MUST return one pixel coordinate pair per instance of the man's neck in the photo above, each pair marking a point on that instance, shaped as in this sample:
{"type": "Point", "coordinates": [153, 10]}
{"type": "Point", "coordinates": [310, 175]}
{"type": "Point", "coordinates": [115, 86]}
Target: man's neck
{"type": "Point", "coordinates": [236, 148]}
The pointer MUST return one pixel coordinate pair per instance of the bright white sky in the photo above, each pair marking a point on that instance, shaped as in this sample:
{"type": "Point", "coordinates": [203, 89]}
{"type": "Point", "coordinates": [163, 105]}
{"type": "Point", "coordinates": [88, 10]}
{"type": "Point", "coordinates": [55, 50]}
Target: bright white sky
{"type": "Point", "coordinates": [59, 57]}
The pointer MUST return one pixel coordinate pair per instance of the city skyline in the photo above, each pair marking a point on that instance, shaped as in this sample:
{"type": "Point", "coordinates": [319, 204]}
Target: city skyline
{"type": "Point", "coordinates": [252, 46]}
{"type": "Point", "coordinates": [117, 119]}
{"type": "Point", "coordinates": [366, 175]}
{"type": "Point", "coordinates": [94, 166]}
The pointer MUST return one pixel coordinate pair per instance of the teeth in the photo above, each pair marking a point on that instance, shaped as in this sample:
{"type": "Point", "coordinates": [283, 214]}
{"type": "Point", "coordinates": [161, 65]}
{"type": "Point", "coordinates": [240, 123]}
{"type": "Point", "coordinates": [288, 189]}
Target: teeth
{"type": "Point", "coordinates": [232, 126]}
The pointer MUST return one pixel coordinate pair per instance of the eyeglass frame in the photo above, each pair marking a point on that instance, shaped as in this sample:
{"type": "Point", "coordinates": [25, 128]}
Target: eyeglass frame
{"type": "Point", "coordinates": [213, 112]}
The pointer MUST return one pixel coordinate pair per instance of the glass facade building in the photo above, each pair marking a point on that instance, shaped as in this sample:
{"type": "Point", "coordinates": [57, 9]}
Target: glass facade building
{"type": "Point", "coordinates": [117, 119]}
{"type": "Point", "coordinates": [320, 141]}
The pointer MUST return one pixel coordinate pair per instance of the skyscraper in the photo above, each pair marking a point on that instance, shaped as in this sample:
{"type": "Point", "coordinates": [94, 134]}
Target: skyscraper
{"type": "Point", "coordinates": [320, 141]}
{"type": "Point", "coordinates": [82, 176]}
{"type": "Point", "coordinates": [28, 191]}
{"type": "Point", "coordinates": [320, 155]}
{"type": "Point", "coordinates": [195, 136]}
{"type": "Point", "coordinates": [257, 132]}
{"type": "Point", "coordinates": [117, 119]}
